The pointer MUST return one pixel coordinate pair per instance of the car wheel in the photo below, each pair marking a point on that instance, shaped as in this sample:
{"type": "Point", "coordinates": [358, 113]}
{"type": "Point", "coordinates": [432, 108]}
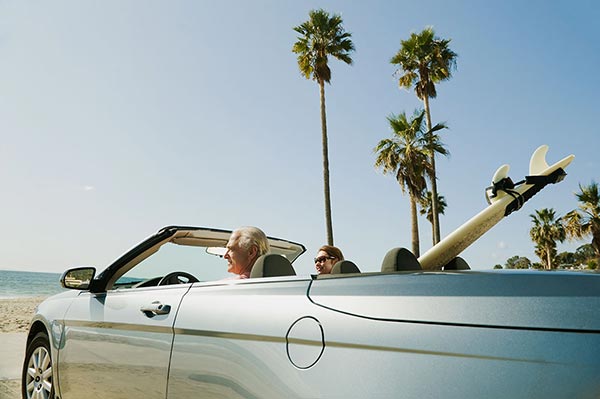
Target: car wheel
{"type": "Point", "coordinates": [36, 381]}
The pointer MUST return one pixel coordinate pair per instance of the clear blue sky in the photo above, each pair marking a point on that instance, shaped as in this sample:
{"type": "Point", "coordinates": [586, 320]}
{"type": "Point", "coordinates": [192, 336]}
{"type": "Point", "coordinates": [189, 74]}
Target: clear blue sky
{"type": "Point", "coordinates": [120, 117]}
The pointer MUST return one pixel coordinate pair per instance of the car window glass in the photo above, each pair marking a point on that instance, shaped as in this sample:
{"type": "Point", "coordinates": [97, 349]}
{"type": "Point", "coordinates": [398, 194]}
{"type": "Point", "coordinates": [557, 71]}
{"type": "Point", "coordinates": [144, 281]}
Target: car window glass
{"type": "Point", "coordinates": [170, 258]}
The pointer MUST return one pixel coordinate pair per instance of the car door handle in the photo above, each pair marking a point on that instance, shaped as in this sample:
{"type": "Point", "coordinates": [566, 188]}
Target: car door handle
{"type": "Point", "coordinates": [155, 308]}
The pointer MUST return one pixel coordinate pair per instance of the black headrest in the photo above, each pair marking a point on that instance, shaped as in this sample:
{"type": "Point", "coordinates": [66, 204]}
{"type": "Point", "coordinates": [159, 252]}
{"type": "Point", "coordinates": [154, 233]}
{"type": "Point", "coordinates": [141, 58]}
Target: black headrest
{"type": "Point", "coordinates": [344, 266]}
{"type": "Point", "coordinates": [272, 265]}
{"type": "Point", "coordinates": [398, 259]}
{"type": "Point", "coordinates": [457, 263]}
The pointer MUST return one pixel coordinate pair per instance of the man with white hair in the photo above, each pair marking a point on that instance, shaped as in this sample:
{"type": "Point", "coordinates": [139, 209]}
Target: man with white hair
{"type": "Point", "coordinates": [245, 245]}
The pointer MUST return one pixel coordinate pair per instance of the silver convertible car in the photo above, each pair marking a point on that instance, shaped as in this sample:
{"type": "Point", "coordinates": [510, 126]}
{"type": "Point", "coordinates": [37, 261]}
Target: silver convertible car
{"type": "Point", "coordinates": [151, 326]}
{"type": "Point", "coordinates": [158, 322]}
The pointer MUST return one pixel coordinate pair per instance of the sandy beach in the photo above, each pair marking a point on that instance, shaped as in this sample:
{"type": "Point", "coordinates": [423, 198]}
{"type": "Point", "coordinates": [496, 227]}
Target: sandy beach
{"type": "Point", "coordinates": [15, 315]}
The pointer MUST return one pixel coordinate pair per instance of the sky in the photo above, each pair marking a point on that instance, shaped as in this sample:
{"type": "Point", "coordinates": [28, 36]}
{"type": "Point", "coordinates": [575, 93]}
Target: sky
{"type": "Point", "coordinates": [120, 117]}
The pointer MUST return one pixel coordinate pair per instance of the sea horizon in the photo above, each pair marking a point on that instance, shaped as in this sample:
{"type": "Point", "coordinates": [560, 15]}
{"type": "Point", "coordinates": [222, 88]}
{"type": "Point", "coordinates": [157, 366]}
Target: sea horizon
{"type": "Point", "coordinates": [24, 284]}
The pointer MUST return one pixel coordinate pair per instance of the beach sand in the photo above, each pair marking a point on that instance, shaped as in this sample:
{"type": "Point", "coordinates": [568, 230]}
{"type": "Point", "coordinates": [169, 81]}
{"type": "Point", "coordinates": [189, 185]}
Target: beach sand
{"type": "Point", "coordinates": [15, 315]}
{"type": "Point", "coordinates": [10, 389]}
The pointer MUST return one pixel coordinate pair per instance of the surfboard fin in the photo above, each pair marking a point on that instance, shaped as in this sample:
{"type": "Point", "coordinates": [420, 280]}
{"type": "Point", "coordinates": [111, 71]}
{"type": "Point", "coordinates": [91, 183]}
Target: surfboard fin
{"type": "Point", "coordinates": [537, 162]}
{"type": "Point", "coordinates": [500, 181]}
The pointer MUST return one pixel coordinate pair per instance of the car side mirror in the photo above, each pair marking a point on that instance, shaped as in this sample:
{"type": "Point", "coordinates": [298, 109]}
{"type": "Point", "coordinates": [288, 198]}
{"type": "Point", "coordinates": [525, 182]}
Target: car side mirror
{"type": "Point", "coordinates": [78, 278]}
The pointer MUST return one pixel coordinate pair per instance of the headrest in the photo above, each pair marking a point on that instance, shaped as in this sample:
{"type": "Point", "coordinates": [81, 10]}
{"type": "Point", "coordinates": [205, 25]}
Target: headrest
{"type": "Point", "coordinates": [457, 263]}
{"type": "Point", "coordinates": [272, 265]}
{"type": "Point", "coordinates": [399, 259]}
{"type": "Point", "coordinates": [344, 266]}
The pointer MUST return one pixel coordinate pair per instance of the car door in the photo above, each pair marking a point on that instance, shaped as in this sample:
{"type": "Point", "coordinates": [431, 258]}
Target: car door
{"type": "Point", "coordinates": [231, 340]}
{"type": "Point", "coordinates": [117, 344]}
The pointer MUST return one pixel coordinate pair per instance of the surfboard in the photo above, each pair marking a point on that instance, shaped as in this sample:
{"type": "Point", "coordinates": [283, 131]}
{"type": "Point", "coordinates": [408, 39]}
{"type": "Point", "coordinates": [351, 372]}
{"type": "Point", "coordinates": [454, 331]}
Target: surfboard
{"type": "Point", "coordinates": [504, 197]}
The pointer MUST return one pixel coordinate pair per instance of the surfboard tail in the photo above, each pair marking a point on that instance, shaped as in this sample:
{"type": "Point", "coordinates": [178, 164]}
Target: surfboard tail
{"type": "Point", "coordinates": [504, 197]}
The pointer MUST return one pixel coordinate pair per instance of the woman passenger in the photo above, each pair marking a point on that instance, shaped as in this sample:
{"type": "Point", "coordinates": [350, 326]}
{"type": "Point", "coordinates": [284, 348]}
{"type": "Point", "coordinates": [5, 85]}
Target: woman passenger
{"type": "Point", "coordinates": [327, 257]}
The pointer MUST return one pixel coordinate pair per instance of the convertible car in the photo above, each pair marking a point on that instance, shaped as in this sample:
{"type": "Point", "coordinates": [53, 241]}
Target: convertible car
{"type": "Point", "coordinates": [151, 326]}
{"type": "Point", "coordinates": [160, 323]}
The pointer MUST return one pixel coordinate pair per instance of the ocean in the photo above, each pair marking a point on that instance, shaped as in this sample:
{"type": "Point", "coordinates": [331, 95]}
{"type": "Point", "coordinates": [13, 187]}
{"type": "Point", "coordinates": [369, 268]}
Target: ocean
{"type": "Point", "coordinates": [14, 284]}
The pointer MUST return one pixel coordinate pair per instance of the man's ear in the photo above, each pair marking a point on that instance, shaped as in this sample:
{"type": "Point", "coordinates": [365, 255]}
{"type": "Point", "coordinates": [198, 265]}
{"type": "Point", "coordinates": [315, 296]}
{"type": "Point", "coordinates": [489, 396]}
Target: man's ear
{"type": "Point", "coordinates": [253, 251]}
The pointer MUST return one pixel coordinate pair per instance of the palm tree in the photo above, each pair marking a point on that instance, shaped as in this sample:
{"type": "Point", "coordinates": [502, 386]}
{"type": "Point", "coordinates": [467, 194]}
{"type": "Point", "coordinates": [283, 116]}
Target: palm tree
{"type": "Point", "coordinates": [546, 231]}
{"type": "Point", "coordinates": [427, 206]}
{"type": "Point", "coordinates": [405, 155]}
{"type": "Point", "coordinates": [585, 221]}
{"type": "Point", "coordinates": [322, 36]}
{"type": "Point", "coordinates": [423, 61]}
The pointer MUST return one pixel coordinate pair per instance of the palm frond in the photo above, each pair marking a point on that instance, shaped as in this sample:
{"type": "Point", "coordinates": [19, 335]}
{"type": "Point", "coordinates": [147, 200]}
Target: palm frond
{"type": "Point", "coordinates": [321, 36]}
{"type": "Point", "coordinates": [428, 57]}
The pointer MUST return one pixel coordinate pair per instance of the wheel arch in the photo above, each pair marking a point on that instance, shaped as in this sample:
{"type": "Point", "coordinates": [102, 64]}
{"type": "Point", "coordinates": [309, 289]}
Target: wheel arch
{"type": "Point", "coordinates": [37, 327]}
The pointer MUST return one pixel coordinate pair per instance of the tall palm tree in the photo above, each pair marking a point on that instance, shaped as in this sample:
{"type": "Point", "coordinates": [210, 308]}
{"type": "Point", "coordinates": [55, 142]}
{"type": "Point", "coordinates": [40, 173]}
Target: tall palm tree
{"type": "Point", "coordinates": [585, 221]}
{"type": "Point", "coordinates": [546, 231]}
{"type": "Point", "coordinates": [423, 61]}
{"type": "Point", "coordinates": [405, 155]}
{"type": "Point", "coordinates": [322, 36]}
{"type": "Point", "coordinates": [427, 206]}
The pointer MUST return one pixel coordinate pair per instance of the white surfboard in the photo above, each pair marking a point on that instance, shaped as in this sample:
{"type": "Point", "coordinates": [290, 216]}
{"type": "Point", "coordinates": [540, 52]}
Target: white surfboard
{"type": "Point", "coordinates": [503, 199]}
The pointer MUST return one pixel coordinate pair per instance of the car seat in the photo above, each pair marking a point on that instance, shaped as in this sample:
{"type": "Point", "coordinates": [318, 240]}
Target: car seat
{"type": "Point", "coordinates": [344, 266]}
{"type": "Point", "coordinates": [399, 259]}
{"type": "Point", "coordinates": [272, 265]}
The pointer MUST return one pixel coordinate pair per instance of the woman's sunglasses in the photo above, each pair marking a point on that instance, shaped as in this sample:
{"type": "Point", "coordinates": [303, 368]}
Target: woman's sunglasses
{"type": "Point", "coordinates": [323, 259]}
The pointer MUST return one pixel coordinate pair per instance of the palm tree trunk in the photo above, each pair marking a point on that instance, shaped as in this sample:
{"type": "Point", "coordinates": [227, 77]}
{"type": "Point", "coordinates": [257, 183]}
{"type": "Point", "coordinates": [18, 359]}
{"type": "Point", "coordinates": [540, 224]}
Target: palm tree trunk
{"type": "Point", "coordinates": [326, 190]}
{"type": "Point", "coordinates": [414, 226]}
{"type": "Point", "coordinates": [548, 259]}
{"type": "Point", "coordinates": [432, 177]}
{"type": "Point", "coordinates": [596, 245]}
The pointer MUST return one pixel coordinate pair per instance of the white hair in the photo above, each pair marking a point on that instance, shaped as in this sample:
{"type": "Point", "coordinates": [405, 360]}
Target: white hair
{"type": "Point", "coordinates": [249, 236]}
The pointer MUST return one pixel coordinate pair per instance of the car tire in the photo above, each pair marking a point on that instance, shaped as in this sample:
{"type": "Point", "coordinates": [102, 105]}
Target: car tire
{"type": "Point", "coordinates": [36, 379]}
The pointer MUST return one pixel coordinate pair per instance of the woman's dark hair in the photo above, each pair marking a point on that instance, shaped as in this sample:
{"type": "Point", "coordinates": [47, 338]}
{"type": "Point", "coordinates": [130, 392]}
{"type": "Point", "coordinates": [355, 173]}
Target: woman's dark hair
{"type": "Point", "coordinates": [332, 251]}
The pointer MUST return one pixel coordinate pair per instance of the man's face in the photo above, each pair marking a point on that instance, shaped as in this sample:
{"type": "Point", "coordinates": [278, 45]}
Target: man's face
{"type": "Point", "coordinates": [238, 259]}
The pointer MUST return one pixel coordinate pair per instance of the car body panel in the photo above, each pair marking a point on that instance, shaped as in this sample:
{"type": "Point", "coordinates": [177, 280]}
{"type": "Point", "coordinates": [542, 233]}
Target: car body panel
{"type": "Point", "coordinates": [535, 300]}
{"type": "Point", "coordinates": [113, 349]}
{"type": "Point", "coordinates": [421, 346]}
{"type": "Point", "coordinates": [394, 359]}
{"type": "Point", "coordinates": [49, 317]}
{"type": "Point", "coordinates": [230, 340]}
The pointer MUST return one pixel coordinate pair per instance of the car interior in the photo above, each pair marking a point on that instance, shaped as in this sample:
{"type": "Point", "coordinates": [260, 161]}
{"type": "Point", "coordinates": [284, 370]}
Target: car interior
{"type": "Point", "coordinates": [195, 255]}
